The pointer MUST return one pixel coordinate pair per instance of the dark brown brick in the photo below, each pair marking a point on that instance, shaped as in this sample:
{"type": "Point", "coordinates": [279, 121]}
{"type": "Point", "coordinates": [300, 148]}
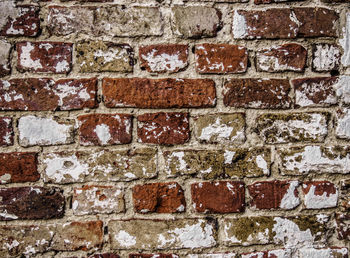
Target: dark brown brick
{"type": "Point", "coordinates": [6, 131]}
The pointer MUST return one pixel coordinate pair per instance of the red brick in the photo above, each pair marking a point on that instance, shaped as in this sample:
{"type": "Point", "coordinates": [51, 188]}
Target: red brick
{"type": "Point", "coordinates": [285, 23]}
{"type": "Point", "coordinates": [21, 20]}
{"type": "Point", "coordinates": [105, 129]}
{"type": "Point", "coordinates": [18, 167]}
{"type": "Point", "coordinates": [6, 131]}
{"type": "Point", "coordinates": [76, 93]}
{"type": "Point", "coordinates": [159, 93]}
{"type": "Point", "coordinates": [163, 58]}
{"type": "Point", "coordinates": [31, 203]}
{"type": "Point", "coordinates": [221, 58]}
{"type": "Point", "coordinates": [274, 195]}
{"type": "Point", "coordinates": [159, 197]}
{"type": "Point", "coordinates": [44, 57]}
{"type": "Point", "coordinates": [218, 197]}
{"type": "Point", "coordinates": [287, 57]}
{"type": "Point", "coordinates": [257, 93]}
{"type": "Point", "coordinates": [320, 195]}
{"type": "Point", "coordinates": [343, 225]}
{"type": "Point", "coordinates": [163, 128]}
{"type": "Point", "coordinates": [325, 57]}
{"type": "Point", "coordinates": [315, 92]}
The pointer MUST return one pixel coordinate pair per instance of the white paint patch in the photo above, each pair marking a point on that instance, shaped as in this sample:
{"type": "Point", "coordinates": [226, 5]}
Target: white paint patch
{"type": "Point", "coordinates": [43, 131]}
{"type": "Point", "coordinates": [5, 178]}
{"type": "Point", "coordinates": [5, 49]}
{"type": "Point", "coordinates": [64, 90]}
{"type": "Point", "coordinates": [313, 159]}
{"type": "Point", "coordinates": [342, 129]}
{"type": "Point", "coordinates": [227, 255]}
{"type": "Point", "coordinates": [181, 164]}
{"type": "Point", "coordinates": [13, 244]}
{"type": "Point", "coordinates": [322, 253]}
{"type": "Point", "coordinates": [228, 156]}
{"type": "Point", "coordinates": [103, 133]}
{"type": "Point", "coordinates": [345, 42]}
{"type": "Point", "coordinates": [8, 10]}
{"type": "Point", "coordinates": [164, 62]}
{"type": "Point", "coordinates": [342, 88]}
{"type": "Point", "coordinates": [290, 200]}
{"type": "Point", "coordinates": [6, 215]}
{"type": "Point", "coordinates": [239, 26]}
{"type": "Point", "coordinates": [326, 57]}
{"type": "Point", "coordinates": [112, 55]}
{"type": "Point", "coordinates": [62, 67]}
{"type": "Point", "coordinates": [125, 239]}
{"type": "Point", "coordinates": [315, 201]}
{"type": "Point", "coordinates": [26, 60]}
{"type": "Point", "coordinates": [261, 163]}
{"type": "Point", "coordinates": [219, 131]}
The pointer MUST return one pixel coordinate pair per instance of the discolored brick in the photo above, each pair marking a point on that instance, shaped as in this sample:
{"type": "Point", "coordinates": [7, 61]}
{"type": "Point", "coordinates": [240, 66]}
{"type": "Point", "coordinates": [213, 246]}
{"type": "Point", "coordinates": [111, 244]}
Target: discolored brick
{"type": "Point", "coordinates": [18, 167]}
{"type": "Point", "coordinates": [159, 198]}
{"type": "Point", "coordinates": [6, 131]}
{"type": "Point", "coordinates": [343, 226]}
{"type": "Point", "coordinates": [257, 93]}
{"type": "Point", "coordinates": [105, 129]}
{"type": "Point", "coordinates": [292, 127]}
{"type": "Point", "coordinates": [159, 93]}
{"type": "Point", "coordinates": [221, 58]}
{"type": "Point", "coordinates": [105, 255]}
{"type": "Point", "coordinates": [345, 194]}
{"type": "Point", "coordinates": [287, 57]}
{"type": "Point", "coordinates": [163, 128]}
{"type": "Point", "coordinates": [31, 203]}
{"type": "Point", "coordinates": [278, 253]}
{"type": "Point", "coordinates": [220, 128]}
{"type": "Point", "coordinates": [340, 252]}
{"type": "Point", "coordinates": [218, 197]}
{"type": "Point", "coordinates": [97, 199]}
{"type": "Point", "coordinates": [99, 165]}
{"type": "Point", "coordinates": [44, 57]}
{"type": "Point", "coordinates": [163, 58]}
{"type": "Point", "coordinates": [342, 123]}
{"type": "Point", "coordinates": [153, 256]}
{"type": "Point", "coordinates": [102, 56]}
{"type": "Point", "coordinates": [5, 51]}
{"type": "Point", "coordinates": [19, 20]}
{"type": "Point", "coordinates": [284, 23]}
{"type": "Point", "coordinates": [195, 21]}
{"type": "Point", "coordinates": [325, 57]}
{"type": "Point", "coordinates": [320, 195]}
{"type": "Point", "coordinates": [274, 195]}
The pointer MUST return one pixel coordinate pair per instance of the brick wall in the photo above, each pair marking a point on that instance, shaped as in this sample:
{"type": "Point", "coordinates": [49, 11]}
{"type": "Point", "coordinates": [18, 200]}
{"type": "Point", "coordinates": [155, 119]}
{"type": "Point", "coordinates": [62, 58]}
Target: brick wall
{"type": "Point", "coordinates": [171, 128]}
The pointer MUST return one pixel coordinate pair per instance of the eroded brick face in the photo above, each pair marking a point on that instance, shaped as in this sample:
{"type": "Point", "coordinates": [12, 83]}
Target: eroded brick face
{"type": "Point", "coordinates": [320, 194]}
{"type": "Point", "coordinates": [6, 131]}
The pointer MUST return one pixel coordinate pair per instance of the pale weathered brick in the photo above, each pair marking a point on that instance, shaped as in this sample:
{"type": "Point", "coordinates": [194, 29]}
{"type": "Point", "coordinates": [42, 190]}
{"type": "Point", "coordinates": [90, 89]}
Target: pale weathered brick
{"type": "Point", "coordinates": [220, 128]}
{"type": "Point", "coordinates": [320, 195]}
{"type": "Point", "coordinates": [292, 127]}
{"type": "Point", "coordinates": [162, 234]}
{"type": "Point", "coordinates": [291, 232]}
{"type": "Point", "coordinates": [102, 56]}
{"type": "Point", "coordinates": [342, 123]}
{"type": "Point", "coordinates": [195, 21]}
{"type": "Point", "coordinates": [96, 199]}
{"type": "Point", "coordinates": [5, 50]}
{"type": "Point", "coordinates": [278, 253]}
{"type": "Point", "coordinates": [99, 166]}
{"type": "Point", "coordinates": [325, 57]}
{"type": "Point", "coordinates": [35, 130]}
{"type": "Point", "coordinates": [340, 252]}
{"type": "Point", "coordinates": [314, 159]}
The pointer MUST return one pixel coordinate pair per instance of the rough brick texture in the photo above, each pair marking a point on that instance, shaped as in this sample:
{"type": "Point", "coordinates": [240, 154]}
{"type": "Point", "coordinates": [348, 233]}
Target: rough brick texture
{"type": "Point", "coordinates": [174, 128]}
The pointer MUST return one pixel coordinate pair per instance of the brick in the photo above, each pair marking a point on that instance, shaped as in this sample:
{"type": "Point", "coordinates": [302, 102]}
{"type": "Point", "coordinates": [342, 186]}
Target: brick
{"type": "Point", "coordinates": [159, 198]}
{"type": "Point", "coordinates": [153, 256]}
{"type": "Point", "coordinates": [220, 128]}
{"type": "Point", "coordinates": [287, 57]}
{"type": "Point", "coordinates": [44, 131]}
{"type": "Point", "coordinates": [159, 93]}
{"type": "Point", "coordinates": [19, 20]}
{"type": "Point", "coordinates": [342, 123]}
{"type": "Point", "coordinates": [99, 165]}
{"type": "Point", "coordinates": [292, 127]}
{"type": "Point", "coordinates": [31, 203]}
{"type": "Point", "coordinates": [340, 252]}
{"type": "Point", "coordinates": [124, 21]}
{"type": "Point", "coordinates": [105, 255]}
{"type": "Point", "coordinates": [195, 21]}
{"type": "Point", "coordinates": [44, 57]}
{"type": "Point", "coordinates": [163, 58]}
{"type": "Point", "coordinates": [5, 52]}
{"type": "Point", "coordinates": [342, 86]}
{"type": "Point", "coordinates": [18, 167]}
{"type": "Point", "coordinates": [315, 92]}
{"type": "Point", "coordinates": [96, 199]}
{"type": "Point", "coordinates": [32, 94]}
{"type": "Point", "coordinates": [218, 197]}
{"type": "Point", "coordinates": [278, 253]}
{"type": "Point", "coordinates": [163, 128]}
{"type": "Point", "coordinates": [221, 58]}
{"type": "Point", "coordinates": [314, 159]}
{"type": "Point", "coordinates": [105, 129]}
{"type": "Point", "coordinates": [213, 255]}
{"type": "Point", "coordinates": [345, 59]}
{"type": "Point", "coordinates": [76, 93]}
{"type": "Point", "coordinates": [63, 21]}
{"type": "Point", "coordinates": [102, 56]}
{"type": "Point", "coordinates": [162, 234]}
{"type": "Point", "coordinates": [320, 195]}
{"type": "Point", "coordinates": [272, 1]}
{"type": "Point", "coordinates": [257, 93]}
{"type": "Point", "coordinates": [6, 131]}
{"type": "Point", "coordinates": [76, 235]}
{"type": "Point", "coordinates": [325, 57]}
{"type": "Point", "coordinates": [290, 232]}
{"type": "Point", "coordinates": [343, 226]}
{"type": "Point", "coordinates": [284, 23]}
{"type": "Point", "coordinates": [345, 194]}
{"type": "Point", "coordinates": [274, 195]}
